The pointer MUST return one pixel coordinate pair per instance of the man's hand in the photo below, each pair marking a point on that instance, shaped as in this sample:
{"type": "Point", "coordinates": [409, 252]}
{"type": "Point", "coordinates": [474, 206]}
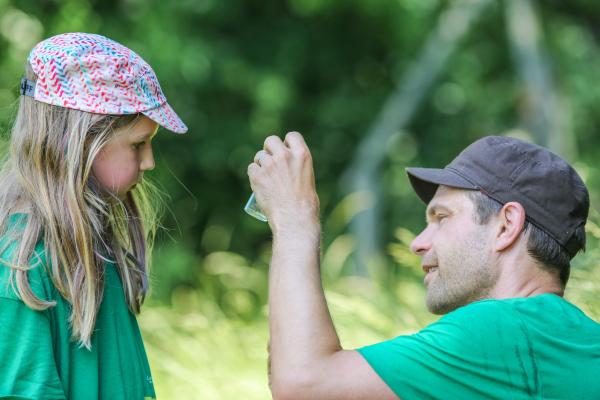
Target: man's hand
{"type": "Point", "coordinates": [283, 182]}
{"type": "Point", "coordinates": [306, 360]}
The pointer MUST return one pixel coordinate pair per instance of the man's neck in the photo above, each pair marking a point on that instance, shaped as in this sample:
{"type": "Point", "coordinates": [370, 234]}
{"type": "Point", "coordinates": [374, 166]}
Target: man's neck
{"type": "Point", "coordinates": [525, 279]}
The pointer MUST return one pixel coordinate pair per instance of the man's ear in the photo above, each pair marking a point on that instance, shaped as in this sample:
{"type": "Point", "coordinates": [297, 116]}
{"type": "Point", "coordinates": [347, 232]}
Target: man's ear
{"type": "Point", "coordinates": [511, 220]}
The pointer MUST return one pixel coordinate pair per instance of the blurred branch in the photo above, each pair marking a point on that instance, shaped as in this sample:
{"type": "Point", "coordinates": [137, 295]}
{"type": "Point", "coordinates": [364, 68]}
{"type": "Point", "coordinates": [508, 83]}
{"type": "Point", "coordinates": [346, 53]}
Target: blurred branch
{"type": "Point", "coordinates": [361, 176]}
{"type": "Point", "coordinates": [543, 115]}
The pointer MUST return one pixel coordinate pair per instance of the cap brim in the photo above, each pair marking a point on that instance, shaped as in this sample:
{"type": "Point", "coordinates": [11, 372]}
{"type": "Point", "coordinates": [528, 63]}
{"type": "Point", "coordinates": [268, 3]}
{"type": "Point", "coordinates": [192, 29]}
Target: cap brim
{"type": "Point", "coordinates": [166, 117]}
{"type": "Point", "coordinates": [425, 181]}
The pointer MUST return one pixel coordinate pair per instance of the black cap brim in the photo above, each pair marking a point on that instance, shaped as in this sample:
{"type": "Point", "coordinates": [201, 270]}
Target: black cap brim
{"type": "Point", "coordinates": [425, 181]}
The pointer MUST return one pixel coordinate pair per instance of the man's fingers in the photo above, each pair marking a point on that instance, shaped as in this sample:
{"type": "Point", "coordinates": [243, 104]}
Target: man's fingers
{"type": "Point", "coordinates": [261, 154]}
{"type": "Point", "coordinates": [295, 141]}
{"type": "Point", "coordinates": [252, 170]}
{"type": "Point", "coordinates": [273, 145]}
{"type": "Point", "coordinates": [298, 146]}
{"type": "Point", "coordinates": [277, 152]}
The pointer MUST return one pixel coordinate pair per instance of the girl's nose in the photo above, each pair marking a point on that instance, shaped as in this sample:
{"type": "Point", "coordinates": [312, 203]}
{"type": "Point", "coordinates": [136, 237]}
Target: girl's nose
{"type": "Point", "coordinates": [147, 163]}
{"type": "Point", "coordinates": [422, 243]}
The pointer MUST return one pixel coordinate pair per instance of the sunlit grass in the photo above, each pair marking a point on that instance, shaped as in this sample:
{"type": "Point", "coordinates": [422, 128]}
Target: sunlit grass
{"type": "Point", "coordinates": [198, 356]}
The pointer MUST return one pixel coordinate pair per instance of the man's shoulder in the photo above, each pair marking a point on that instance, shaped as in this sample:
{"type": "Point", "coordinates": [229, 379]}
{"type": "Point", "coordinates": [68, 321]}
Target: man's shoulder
{"type": "Point", "coordinates": [483, 319]}
{"type": "Point", "coordinates": [481, 312]}
{"type": "Point", "coordinates": [511, 307]}
{"type": "Point", "coordinates": [546, 314]}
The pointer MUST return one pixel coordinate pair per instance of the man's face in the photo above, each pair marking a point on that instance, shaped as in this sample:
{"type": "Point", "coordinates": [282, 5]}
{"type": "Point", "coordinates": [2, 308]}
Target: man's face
{"type": "Point", "coordinates": [456, 252]}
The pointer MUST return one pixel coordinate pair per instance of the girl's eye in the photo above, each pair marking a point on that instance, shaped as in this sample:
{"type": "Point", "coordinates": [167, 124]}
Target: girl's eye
{"type": "Point", "coordinates": [137, 145]}
{"type": "Point", "coordinates": [441, 217]}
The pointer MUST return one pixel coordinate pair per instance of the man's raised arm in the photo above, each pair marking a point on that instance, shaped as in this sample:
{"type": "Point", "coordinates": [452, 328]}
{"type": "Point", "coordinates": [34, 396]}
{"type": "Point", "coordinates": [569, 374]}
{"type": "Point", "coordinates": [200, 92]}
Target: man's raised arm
{"type": "Point", "coordinates": [307, 361]}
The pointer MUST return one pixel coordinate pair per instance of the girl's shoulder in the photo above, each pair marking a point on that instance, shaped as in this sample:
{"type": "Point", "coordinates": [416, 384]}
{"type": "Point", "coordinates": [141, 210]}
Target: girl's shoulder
{"type": "Point", "coordinates": [37, 271]}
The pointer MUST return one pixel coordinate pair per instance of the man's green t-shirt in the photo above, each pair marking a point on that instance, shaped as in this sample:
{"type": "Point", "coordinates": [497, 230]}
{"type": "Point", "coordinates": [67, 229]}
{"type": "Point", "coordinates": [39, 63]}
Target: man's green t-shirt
{"type": "Point", "coordinates": [38, 360]}
{"type": "Point", "coordinates": [541, 347]}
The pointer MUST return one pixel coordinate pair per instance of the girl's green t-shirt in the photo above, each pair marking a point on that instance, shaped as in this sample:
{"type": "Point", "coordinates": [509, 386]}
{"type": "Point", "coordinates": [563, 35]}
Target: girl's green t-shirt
{"type": "Point", "coordinates": [38, 360]}
{"type": "Point", "coordinates": [541, 347]}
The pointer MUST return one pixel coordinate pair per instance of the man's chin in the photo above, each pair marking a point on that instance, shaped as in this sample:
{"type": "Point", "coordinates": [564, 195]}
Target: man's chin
{"type": "Point", "coordinates": [441, 306]}
{"type": "Point", "coordinates": [439, 310]}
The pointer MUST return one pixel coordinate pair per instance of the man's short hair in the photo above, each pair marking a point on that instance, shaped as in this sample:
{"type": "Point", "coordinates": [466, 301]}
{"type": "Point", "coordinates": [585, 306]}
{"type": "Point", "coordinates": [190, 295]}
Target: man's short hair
{"type": "Point", "coordinates": [549, 254]}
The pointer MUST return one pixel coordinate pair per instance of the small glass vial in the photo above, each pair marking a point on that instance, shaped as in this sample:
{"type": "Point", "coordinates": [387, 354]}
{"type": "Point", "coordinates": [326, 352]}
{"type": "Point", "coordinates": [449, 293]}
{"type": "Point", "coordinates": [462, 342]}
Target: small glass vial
{"type": "Point", "coordinates": [252, 209]}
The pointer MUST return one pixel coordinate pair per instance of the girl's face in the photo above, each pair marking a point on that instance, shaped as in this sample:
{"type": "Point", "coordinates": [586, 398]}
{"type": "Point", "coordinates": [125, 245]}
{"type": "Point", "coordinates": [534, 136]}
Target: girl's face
{"type": "Point", "coordinates": [124, 158]}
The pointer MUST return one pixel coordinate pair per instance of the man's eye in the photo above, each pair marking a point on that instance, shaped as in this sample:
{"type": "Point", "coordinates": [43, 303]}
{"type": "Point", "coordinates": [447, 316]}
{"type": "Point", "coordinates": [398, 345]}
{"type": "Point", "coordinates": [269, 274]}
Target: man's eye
{"type": "Point", "coordinates": [441, 217]}
{"type": "Point", "coordinates": [137, 145]}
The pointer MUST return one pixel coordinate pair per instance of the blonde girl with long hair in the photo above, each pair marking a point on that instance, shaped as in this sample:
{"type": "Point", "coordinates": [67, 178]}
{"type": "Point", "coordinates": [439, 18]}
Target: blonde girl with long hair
{"type": "Point", "coordinates": [77, 222]}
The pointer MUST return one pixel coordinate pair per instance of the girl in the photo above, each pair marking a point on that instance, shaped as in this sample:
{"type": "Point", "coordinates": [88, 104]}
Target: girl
{"type": "Point", "coordinates": [77, 222]}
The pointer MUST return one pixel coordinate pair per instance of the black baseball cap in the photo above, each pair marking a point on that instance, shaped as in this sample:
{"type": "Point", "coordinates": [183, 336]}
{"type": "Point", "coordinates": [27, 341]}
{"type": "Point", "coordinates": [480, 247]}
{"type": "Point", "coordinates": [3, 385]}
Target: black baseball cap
{"type": "Point", "coordinates": [506, 169]}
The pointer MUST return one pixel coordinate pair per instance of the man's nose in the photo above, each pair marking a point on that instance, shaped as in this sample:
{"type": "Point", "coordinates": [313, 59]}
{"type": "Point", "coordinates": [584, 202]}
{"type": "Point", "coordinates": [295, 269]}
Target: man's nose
{"type": "Point", "coordinates": [422, 243]}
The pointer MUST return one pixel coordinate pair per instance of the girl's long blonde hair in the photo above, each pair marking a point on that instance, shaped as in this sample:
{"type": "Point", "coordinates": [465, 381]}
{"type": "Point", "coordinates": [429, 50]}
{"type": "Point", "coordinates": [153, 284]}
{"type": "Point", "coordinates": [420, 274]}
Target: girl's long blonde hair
{"type": "Point", "coordinates": [48, 173]}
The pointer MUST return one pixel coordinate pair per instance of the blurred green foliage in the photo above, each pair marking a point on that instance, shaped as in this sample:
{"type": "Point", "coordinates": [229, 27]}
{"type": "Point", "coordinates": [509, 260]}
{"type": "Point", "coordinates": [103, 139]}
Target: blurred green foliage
{"type": "Point", "coordinates": [239, 70]}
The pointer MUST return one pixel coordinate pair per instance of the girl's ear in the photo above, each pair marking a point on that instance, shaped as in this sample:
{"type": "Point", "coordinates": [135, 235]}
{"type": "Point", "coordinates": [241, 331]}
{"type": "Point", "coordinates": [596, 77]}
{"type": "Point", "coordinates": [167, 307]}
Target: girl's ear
{"type": "Point", "coordinates": [511, 221]}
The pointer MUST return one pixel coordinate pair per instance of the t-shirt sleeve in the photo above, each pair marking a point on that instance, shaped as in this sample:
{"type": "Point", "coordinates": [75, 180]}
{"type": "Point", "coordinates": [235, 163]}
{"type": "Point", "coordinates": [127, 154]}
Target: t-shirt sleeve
{"type": "Point", "coordinates": [469, 353]}
{"type": "Point", "coordinates": [27, 365]}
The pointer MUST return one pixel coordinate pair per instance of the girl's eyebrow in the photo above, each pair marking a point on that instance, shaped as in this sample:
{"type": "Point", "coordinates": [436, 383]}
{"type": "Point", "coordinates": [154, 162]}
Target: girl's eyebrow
{"type": "Point", "coordinates": [149, 134]}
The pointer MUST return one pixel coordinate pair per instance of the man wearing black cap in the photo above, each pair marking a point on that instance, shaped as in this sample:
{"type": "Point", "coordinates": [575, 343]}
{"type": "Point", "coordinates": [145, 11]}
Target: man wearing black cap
{"type": "Point", "coordinates": [504, 219]}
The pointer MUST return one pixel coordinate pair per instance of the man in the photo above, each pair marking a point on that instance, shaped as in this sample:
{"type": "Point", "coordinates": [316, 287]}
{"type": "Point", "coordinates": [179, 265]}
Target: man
{"type": "Point", "coordinates": [504, 220]}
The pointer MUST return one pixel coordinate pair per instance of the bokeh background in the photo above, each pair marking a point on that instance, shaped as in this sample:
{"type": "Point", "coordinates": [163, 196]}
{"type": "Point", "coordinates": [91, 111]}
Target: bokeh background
{"type": "Point", "coordinates": [374, 86]}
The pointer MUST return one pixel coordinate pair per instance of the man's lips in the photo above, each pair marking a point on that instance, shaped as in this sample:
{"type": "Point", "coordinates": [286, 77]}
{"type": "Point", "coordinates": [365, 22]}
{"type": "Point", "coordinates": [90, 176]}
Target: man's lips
{"type": "Point", "coordinates": [427, 268]}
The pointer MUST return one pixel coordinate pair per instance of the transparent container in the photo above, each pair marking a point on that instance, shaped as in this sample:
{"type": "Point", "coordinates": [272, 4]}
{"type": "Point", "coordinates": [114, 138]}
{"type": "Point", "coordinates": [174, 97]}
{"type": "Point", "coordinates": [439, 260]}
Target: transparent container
{"type": "Point", "coordinates": [252, 209]}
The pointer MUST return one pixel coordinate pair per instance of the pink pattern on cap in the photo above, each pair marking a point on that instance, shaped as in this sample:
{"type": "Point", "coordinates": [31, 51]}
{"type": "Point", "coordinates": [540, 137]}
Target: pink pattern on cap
{"type": "Point", "coordinates": [92, 73]}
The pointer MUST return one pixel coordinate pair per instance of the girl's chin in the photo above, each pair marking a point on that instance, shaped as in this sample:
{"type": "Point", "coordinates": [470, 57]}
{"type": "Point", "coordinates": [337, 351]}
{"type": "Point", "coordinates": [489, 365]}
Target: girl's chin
{"type": "Point", "coordinates": [123, 194]}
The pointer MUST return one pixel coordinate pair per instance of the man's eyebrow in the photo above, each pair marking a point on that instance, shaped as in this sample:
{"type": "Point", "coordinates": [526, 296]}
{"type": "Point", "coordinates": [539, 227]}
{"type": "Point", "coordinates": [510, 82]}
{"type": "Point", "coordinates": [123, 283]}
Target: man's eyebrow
{"type": "Point", "coordinates": [432, 210]}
